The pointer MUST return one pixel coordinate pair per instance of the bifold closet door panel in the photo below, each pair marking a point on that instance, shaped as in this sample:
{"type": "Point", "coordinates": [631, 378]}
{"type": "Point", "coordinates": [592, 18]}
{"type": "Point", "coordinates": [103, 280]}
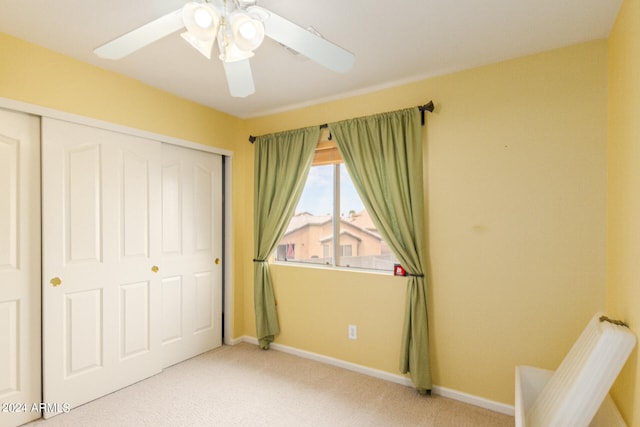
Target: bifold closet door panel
{"type": "Point", "coordinates": [101, 239]}
{"type": "Point", "coordinates": [20, 385]}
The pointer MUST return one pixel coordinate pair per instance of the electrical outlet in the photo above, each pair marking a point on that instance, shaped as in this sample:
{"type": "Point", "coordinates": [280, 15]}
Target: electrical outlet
{"type": "Point", "coordinates": [353, 332]}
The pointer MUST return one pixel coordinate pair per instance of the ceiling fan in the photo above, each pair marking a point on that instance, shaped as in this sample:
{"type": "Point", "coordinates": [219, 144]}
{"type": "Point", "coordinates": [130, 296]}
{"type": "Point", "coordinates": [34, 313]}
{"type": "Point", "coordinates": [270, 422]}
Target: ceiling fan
{"type": "Point", "coordinates": [239, 26]}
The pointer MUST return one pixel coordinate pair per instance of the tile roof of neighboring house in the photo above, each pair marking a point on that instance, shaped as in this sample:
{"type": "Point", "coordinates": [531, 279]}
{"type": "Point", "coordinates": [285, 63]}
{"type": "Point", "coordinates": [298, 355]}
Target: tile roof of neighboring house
{"type": "Point", "coordinates": [304, 219]}
{"type": "Point", "coordinates": [346, 233]}
{"type": "Point", "coordinates": [360, 221]}
{"type": "Point", "coordinates": [363, 220]}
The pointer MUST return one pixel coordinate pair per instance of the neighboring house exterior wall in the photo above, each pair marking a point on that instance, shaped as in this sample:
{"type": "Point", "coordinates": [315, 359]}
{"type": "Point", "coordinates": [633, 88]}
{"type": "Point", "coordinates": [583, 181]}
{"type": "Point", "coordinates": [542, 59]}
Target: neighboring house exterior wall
{"type": "Point", "coordinates": [310, 238]}
{"type": "Point", "coordinates": [307, 240]}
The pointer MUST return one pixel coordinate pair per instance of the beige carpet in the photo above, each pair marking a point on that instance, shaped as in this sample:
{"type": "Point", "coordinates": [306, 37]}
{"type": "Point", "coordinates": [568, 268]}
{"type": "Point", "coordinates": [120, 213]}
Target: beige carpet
{"type": "Point", "coordinates": [245, 386]}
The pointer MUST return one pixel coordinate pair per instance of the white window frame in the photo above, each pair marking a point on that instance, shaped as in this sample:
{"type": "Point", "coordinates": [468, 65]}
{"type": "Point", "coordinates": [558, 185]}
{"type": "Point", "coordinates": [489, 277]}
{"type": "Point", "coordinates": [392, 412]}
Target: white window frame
{"type": "Point", "coordinates": [335, 241]}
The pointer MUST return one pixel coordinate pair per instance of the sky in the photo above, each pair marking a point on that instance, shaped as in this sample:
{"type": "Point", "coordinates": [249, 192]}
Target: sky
{"type": "Point", "coordinates": [317, 197]}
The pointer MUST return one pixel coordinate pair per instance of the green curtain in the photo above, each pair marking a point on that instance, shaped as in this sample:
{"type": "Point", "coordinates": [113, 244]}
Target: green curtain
{"type": "Point", "coordinates": [282, 163]}
{"type": "Point", "coordinates": [383, 154]}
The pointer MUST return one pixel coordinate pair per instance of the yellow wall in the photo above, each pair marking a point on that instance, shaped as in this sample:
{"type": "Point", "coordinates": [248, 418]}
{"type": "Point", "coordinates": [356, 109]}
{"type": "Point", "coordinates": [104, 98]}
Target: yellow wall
{"type": "Point", "coordinates": [516, 177]}
{"type": "Point", "coordinates": [34, 75]}
{"type": "Point", "coordinates": [623, 195]}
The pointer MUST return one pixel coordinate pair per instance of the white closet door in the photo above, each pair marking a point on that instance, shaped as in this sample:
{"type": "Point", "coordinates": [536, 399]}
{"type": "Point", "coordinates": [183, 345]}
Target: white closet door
{"type": "Point", "coordinates": [19, 268]}
{"type": "Point", "coordinates": [191, 253]}
{"type": "Point", "coordinates": [101, 239]}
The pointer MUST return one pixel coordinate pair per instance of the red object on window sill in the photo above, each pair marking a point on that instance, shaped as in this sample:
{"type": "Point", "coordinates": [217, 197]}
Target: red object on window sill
{"type": "Point", "coordinates": [399, 270]}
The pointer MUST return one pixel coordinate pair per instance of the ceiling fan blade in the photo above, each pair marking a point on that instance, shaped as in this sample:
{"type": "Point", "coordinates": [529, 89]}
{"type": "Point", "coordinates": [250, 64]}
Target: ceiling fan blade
{"type": "Point", "coordinates": [303, 41]}
{"type": "Point", "coordinates": [141, 36]}
{"type": "Point", "coordinates": [239, 78]}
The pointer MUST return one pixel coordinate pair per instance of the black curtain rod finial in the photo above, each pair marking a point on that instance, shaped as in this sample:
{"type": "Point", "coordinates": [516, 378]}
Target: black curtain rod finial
{"type": "Point", "coordinates": [252, 139]}
{"type": "Point", "coordinates": [427, 107]}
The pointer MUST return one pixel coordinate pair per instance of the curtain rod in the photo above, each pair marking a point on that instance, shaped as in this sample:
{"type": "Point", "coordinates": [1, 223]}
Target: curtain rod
{"type": "Point", "coordinates": [426, 107]}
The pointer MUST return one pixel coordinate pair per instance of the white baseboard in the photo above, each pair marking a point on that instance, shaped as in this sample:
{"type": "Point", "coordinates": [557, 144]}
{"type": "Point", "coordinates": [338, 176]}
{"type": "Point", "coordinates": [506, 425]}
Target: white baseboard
{"type": "Point", "coordinates": [471, 399]}
{"type": "Point", "coordinates": [234, 341]}
{"type": "Point", "coordinates": [387, 376]}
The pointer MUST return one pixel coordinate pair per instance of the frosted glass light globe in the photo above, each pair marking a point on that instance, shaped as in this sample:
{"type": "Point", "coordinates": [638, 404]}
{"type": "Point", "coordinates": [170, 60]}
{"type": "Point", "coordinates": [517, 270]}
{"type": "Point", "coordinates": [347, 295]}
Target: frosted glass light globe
{"type": "Point", "coordinates": [202, 18]}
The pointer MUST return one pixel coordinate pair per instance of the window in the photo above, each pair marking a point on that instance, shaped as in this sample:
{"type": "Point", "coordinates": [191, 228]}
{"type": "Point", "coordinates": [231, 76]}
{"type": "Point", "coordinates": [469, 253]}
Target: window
{"type": "Point", "coordinates": [331, 225]}
{"type": "Point", "coordinates": [286, 251]}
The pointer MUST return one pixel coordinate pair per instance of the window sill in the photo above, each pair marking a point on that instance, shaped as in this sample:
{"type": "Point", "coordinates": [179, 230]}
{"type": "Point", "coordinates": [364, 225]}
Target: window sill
{"type": "Point", "coordinates": [332, 268]}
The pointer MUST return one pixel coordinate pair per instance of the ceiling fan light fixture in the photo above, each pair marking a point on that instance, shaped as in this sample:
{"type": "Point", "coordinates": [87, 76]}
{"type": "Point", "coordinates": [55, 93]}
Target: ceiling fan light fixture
{"type": "Point", "coordinates": [230, 52]}
{"type": "Point", "coordinates": [247, 30]}
{"type": "Point", "coordinates": [201, 20]}
{"type": "Point", "coordinates": [202, 46]}
{"type": "Point", "coordinates": [248, 33]}
{"type": "Point", "coordinates": [239, 27]}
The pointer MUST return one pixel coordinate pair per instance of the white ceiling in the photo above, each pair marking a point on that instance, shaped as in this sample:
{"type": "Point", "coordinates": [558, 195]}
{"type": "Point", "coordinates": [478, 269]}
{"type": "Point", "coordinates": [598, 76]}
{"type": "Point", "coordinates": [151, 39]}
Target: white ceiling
{"type": "Point", "coordinates": [394, 42]}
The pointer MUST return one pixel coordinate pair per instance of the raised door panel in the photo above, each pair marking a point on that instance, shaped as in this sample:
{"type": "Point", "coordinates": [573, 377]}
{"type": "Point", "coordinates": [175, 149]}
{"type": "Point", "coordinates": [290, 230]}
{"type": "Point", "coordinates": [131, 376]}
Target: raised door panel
{"type": "Point", "coordinates": [135, 214]}
{"type": "Point", "coordinates": [8, 203]}
{"type": "Point", "coordinates": [83, 339]}
{"type": "Point", "coordinates": [171, 208]}
{"type": "Point", "coordinates": [202, 208]}
{"type": "Point", "coordinates": [172, 317]}
{"type": "Point", "coordinates": [9, 347]}
{"type": "Point", "coordinates": [135, 327]}
{"type": "Point", "coordinates": [83, 200]}
{"type": "Point", "coordinates": [205, 302]}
